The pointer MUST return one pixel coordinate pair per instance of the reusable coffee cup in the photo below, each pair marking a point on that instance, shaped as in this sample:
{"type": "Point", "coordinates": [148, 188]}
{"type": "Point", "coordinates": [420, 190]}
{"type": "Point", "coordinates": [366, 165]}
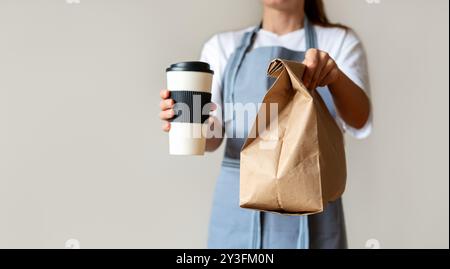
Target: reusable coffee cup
{"type": "Point", "coordinates": [189, 84]}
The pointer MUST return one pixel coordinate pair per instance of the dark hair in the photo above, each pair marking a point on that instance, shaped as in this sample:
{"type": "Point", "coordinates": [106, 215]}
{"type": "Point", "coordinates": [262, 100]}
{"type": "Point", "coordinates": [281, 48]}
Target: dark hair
{"type": "Point", "coordinates": [315, 11]}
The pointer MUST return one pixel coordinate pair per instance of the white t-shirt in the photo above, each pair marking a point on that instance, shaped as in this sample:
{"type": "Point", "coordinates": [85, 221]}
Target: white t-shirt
{"type": "Point", "coordinates": [342, 45]}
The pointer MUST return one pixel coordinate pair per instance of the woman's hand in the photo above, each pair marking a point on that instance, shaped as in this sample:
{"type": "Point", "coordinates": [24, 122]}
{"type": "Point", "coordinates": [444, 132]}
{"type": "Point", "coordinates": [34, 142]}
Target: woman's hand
{"type": "Point", "coordinates": [350, 100]}
{"type": "Point", "coordinates": [321, 70]}
{"type": "Point", "coordinates": [167, 111]}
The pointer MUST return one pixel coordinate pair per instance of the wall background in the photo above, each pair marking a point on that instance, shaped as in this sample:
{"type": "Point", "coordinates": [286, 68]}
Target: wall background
{"type": "Point", "coordinates": [82, 155]}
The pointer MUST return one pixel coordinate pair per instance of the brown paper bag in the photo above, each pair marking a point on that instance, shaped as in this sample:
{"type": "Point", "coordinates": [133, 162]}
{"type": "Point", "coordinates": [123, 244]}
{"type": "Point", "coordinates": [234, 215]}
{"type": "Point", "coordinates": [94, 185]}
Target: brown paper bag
{"type": "Point", "coordinates": [293, 162]}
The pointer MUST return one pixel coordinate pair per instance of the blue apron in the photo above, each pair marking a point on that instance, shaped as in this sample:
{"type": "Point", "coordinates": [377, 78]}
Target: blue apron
{"type": "Point", "coordinates": [246, 81]}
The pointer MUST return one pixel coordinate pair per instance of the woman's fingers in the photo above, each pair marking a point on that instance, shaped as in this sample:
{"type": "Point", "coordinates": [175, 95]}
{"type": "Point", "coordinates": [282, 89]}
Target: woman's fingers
{"type": "Point", "coordinates": [323, 60]}
{"type": "Point", "coordinates": [164, 94]}
{"type": "Point", "coordinates": [166, 114]}
{"type": "Point", "coordinates": [321, 69]}
{"type": "Point", "coordinates": [167, 111]}
{"type": "Point", "coordinates": [165, 126]}
{"type": "Point", "coordinates": [166, 104]}
{"type": "Point", "coordinates": [311, 62]}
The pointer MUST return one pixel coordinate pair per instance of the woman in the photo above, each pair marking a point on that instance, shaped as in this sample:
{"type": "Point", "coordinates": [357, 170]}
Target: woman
{"type": "Point", "coordinates": [335, 66]}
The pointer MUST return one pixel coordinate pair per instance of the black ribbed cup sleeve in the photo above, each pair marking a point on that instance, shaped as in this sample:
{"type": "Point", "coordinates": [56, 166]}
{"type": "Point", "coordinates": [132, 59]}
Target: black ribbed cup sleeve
{"type": "Point", "coordinates": [189, 106]}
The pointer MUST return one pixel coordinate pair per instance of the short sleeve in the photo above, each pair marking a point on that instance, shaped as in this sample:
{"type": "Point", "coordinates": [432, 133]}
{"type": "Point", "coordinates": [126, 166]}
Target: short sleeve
{"type": "Point", "coordinates": [352, 60]}
{"type": "Point", "coordinates": [213, 54]}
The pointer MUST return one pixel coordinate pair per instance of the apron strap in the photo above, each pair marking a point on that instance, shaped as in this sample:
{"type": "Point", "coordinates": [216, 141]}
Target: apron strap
{"type": "Point", "coordinates": [256, 229]}
{"type": "Point", "coordinates": [236, 62]}
{"type": "Point", "coordinates": [310, 35]}
{"type": "Point", "coordinates": [303, 233]}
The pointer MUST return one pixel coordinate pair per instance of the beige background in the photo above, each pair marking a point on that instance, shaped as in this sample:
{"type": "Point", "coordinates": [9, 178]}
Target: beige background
{"type": "Point", "coordinates": [81, 151]}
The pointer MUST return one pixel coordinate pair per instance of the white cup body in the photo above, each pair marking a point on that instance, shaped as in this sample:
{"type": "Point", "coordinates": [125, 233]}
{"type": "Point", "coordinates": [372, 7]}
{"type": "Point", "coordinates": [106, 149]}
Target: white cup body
{"type": "Point", "coordinates": [188, 138]}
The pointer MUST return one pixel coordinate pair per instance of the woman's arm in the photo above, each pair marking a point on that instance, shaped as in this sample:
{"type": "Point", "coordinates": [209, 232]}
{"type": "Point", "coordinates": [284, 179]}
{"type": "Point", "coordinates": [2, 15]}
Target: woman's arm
{"type": "Point", "coordinates": [351, 101]}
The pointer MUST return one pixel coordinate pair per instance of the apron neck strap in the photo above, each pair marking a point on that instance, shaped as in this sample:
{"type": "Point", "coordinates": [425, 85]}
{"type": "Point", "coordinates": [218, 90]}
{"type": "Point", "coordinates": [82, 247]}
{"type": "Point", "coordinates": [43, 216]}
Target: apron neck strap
{"type": "Point", "coordinates": [310, 35]}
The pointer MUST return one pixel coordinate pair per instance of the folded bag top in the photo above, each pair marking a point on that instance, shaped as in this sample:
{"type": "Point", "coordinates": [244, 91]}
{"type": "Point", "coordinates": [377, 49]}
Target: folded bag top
{"type": "Point", "coordinates": [293, 160]}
